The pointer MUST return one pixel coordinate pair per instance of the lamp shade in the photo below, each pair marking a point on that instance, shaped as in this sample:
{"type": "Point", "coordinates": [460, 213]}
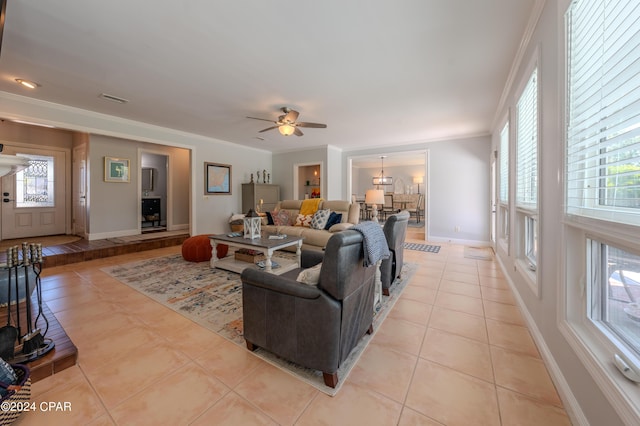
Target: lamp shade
{"type": "Point", "coordinates": [286, 130]}
{"type": "Point", "coordinates": [418, 179]}
{"type": "Point", "coordinates": [374, 196]}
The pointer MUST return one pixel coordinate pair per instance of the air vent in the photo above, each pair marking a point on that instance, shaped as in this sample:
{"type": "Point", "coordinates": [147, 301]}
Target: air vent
{"type": "Point", "coordinates": [113, 98]}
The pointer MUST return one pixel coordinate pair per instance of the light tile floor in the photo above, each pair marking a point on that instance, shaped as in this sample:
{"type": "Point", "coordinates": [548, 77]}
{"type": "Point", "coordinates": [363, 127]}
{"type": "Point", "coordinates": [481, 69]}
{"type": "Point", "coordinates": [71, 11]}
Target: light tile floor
{"type": "Point", "coordinates": [453, 351]}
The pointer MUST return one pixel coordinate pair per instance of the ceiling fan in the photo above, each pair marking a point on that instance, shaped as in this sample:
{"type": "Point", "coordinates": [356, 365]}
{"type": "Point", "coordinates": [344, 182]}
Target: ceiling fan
{"type": "Point", "coordinates": [287, 124]}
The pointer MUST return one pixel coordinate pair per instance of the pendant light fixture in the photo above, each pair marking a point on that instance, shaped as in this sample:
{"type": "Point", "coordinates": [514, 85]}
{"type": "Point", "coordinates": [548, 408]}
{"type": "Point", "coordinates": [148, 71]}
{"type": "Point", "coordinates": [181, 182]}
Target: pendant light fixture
{"type": "Point", "coordinates": [382, 179]}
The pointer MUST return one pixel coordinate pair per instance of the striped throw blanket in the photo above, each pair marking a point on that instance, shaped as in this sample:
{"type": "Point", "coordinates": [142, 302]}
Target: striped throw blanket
{"type": "Point", "coordinates": [374, 242]}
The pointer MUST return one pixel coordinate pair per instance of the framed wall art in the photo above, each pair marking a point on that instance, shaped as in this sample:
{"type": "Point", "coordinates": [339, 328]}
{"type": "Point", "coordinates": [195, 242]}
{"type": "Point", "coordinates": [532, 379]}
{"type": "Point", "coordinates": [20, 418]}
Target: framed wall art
{"type": "Point", "coordinates": [217, 179]}
{"type": "Point", "coordinates": [116, 169]}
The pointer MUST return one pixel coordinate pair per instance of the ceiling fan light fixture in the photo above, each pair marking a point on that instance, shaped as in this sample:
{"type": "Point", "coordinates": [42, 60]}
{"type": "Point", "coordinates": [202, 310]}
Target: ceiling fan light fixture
{"type": "Point", "coordinates": [286, 129]}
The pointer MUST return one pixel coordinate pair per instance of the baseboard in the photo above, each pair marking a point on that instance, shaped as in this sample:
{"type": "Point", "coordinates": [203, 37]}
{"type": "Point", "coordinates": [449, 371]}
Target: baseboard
{"type": "Point", "coordinates": [475, 243]}
{"type": "Point", "coordinates": [115, 234]}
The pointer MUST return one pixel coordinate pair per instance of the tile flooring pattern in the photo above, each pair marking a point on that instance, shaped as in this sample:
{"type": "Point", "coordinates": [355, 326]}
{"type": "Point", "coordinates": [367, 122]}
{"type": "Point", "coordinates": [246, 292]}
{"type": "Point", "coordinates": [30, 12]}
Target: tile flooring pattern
{"type": "Point", "coordinates": [453, 351]}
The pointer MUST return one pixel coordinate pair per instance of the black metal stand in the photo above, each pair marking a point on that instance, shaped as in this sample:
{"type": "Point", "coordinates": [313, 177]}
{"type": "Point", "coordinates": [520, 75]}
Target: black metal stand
{"type": "Point", "coordinates": [33, 344]}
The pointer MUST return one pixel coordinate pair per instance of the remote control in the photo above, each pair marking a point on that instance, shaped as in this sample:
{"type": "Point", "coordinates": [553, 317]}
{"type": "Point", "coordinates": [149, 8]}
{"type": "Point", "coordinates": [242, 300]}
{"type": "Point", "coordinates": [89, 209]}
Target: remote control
{"type": "Point", "coordinates": [234, 234]}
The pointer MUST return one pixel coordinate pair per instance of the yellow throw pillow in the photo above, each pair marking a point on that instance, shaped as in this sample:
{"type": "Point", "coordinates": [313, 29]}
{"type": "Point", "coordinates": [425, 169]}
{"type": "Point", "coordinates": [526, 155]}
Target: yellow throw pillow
{"type": "Point", "coordinates": [310, 276]}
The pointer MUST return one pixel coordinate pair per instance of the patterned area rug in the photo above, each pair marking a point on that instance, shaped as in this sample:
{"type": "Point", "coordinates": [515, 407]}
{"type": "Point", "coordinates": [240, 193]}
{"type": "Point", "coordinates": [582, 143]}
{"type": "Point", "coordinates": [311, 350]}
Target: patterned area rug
{"type": "Point", "coordinates": [213, 299]}
{"type": "Point", "coordinates": [422, 247]}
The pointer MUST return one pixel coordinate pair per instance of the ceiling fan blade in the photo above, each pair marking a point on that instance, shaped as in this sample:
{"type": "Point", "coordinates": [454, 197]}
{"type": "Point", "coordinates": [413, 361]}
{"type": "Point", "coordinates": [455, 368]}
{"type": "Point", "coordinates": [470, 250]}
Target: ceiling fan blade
{"type": "Point", "coordinates": [263, 119]}
{"type": "Point", "coordinates": [298, 132]}
{"type": "Point", "coordinates": [292, 116]}
{"type": "Point", "coordinates": [316, 125]}
{"type": "Point", "coordinates": [268, 128]}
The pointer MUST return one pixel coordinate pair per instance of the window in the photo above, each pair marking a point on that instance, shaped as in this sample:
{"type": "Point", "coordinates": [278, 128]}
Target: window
{"type": "Point", "coordinates": [602, 189]}
{"type": "Point", "coordinates": [504, 164]}
{"type": "Point", "coordinates": [527, 145]}
{"type": "Point", "coordinates": [527, 177]}
{"type": "Point", "coordinates": [34, 185]}
{"type": "Point", "coordinates": [614, 277]}
{"type": "Point", "coordinates": [603, 133]}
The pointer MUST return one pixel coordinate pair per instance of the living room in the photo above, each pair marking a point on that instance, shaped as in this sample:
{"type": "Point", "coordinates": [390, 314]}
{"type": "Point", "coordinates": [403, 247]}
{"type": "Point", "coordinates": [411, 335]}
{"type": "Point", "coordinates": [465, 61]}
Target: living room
{"type": "Point", "coordinates": [462, 173]}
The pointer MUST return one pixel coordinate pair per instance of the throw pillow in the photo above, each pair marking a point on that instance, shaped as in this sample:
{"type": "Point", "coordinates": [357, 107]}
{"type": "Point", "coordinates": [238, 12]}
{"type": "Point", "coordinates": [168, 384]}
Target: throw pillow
{"type": "Point", "coordinates": [281, 218]}
{"type": "Point", "coordinates": [269, 219]}
{"type": "Point", "coordinates": [320, 218]}
{"type": "Point", "coordinates": [310, 276]}
{"type": "Point", "coordinates": [333, 219]}
{"type": "Point", "coordinates": [304, 220]}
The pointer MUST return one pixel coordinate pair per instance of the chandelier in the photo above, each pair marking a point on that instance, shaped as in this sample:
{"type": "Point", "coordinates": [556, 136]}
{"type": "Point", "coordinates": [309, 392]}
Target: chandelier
{"type": "Point", "coordinates": [382, 179]}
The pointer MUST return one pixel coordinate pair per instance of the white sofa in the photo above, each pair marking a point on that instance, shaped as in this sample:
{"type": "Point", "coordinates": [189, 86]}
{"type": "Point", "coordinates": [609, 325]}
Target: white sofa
{"type": "Point", "coordinates": [316, 239]}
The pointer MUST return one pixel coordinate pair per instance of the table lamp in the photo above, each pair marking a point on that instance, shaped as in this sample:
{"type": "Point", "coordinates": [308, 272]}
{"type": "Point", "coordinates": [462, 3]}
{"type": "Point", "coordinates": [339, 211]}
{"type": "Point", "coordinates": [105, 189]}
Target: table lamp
{"type": "Point", "coordinates": [418, 180]}
{"type": "Point", "coordinates": [374, 197]}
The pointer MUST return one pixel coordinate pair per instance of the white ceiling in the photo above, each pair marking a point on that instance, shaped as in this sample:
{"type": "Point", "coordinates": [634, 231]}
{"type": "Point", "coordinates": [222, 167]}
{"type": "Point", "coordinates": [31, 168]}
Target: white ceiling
{"type": "Point", "coordinates": [379, 73]}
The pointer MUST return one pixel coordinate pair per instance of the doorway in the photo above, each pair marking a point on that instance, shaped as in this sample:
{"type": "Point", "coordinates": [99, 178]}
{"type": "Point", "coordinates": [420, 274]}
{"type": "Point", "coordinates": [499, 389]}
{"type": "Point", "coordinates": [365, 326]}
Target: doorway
{"type": "Point", "coordinates": [409, 176]}
{"type": "Point", "coordinates": [33, 202]}
{"type": "Point", "coordinates": [307, 181]}
{"type": "Point", "coordinates": [154, 169]}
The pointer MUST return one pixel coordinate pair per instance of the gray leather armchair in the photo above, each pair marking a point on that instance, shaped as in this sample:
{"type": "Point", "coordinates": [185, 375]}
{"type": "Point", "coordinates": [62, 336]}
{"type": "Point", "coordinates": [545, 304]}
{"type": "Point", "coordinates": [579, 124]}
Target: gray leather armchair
{"type": "Point", "coordinates": [395, 231]}
{"type": "Point", "coordinates": [314, 326]}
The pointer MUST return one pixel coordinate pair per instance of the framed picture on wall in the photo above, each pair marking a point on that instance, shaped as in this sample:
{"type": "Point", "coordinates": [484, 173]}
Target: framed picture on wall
{"type": "Point", "coordinates": [116, 169]}
{"type": "Point", "coordinates": [217, 179]}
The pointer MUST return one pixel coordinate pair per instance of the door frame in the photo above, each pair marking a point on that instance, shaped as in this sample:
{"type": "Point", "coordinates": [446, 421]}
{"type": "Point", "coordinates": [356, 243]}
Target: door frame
{"type": "Point", "coordinates": [67, 175]}
{"type": "Point", "coordinates": [74, 205]}
{"type": "Point", "coordinates": [168, 214]}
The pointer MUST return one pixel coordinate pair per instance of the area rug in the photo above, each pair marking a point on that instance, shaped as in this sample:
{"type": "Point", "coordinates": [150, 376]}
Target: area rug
{"type": "Point", "coordinates": [422, 247]}
{"type": "Point", "coordinates": [213, 299]}
{"type": "Point", "coordinates": [480, 253]}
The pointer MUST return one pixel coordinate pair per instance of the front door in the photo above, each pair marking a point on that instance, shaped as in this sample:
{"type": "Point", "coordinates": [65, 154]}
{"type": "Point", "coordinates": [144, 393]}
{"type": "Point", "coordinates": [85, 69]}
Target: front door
{"type": "Point", "coordinates": [33, 200]}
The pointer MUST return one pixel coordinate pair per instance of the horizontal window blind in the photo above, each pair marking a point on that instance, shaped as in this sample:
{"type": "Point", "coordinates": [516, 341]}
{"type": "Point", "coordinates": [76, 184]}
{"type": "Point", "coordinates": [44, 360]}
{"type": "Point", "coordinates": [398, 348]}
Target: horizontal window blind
{"type": "Point", "coordinates": [603, 123]}
{"type": "Point", "coordinates": [527, 145]}
{"type": "Point", "coordinates": [504, 164]}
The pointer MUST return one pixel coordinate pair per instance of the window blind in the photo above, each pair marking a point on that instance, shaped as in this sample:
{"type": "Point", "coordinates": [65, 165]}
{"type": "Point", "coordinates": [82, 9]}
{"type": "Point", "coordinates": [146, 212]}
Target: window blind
{"type": "Point", "coordinates": [603, 123]}
{"type": "Point", "coordinates": [504, 164]}
{"type": "Point", "coordinates": [527, 145]}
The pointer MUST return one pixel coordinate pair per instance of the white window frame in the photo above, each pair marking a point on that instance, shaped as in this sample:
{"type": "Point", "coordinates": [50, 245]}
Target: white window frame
{"type": "Point", "coordinates": [503, 193]}
{"type": "Point", "coordinates": [526, 209]}
{"type": "Point", "coordinates": [50, 183]}
{"type": "Point", "coordinates": [594, 344]}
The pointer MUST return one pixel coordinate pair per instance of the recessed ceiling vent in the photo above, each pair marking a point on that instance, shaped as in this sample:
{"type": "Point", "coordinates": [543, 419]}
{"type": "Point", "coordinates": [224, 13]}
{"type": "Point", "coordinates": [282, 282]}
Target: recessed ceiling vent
{"type": "Point", "coordinates": [113, 98]}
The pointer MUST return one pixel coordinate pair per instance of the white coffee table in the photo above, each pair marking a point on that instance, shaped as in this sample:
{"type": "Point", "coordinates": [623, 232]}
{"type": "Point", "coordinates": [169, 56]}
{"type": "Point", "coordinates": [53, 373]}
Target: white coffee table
{"type": "Point", "coordinates": [264, 243]}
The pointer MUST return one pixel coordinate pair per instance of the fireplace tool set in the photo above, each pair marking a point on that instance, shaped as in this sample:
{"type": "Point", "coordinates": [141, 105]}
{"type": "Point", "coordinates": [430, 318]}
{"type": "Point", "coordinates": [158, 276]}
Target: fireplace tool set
{"type": "Point", "coordinates": [16, 347]}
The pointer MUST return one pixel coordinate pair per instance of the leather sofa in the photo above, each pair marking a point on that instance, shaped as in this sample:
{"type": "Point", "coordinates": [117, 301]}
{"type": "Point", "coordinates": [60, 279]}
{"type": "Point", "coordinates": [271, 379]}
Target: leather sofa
{"type": "Point", "coordinates": [316, 239]}
{"type": "Point", "coordinates": [316, 326]}
{"type": "Point", "coordinates": [395, 231]}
